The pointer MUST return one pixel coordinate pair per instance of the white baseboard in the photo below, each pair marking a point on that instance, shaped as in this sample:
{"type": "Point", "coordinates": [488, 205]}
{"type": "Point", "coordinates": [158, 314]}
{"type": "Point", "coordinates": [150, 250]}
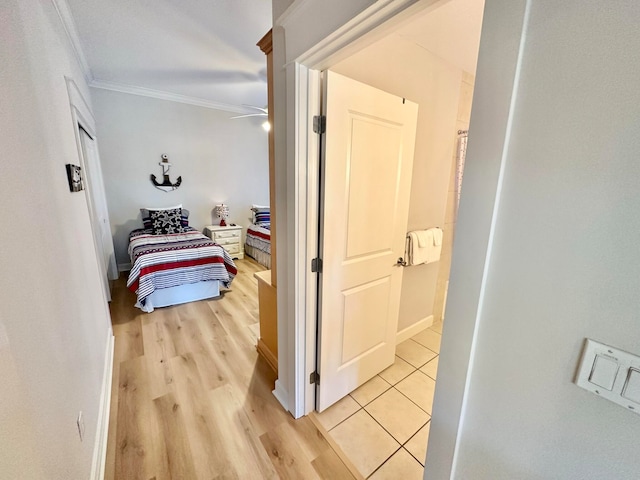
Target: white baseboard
{"type": "Point", "coordinates": [281, 395]}
{"type": "Point", "coordinates": [411, 330]}
{"type": "Point", "coordinates": [102, 431]}
{"type": "Point", "coordinates": [124, 267]}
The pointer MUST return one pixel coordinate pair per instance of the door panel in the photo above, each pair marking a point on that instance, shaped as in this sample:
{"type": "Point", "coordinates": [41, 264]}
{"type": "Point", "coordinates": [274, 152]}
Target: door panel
{"type": "Point", "coordinates": [365, 309]}
{"type": "Point", "coordinates": [368, 158]}
{"type": "Point", "coordinates": [371, 170]}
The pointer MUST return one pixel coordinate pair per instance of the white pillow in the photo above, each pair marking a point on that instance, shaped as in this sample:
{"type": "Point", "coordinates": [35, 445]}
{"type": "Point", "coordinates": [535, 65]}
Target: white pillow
{"type": "Point", "coordinates": [163, 208]}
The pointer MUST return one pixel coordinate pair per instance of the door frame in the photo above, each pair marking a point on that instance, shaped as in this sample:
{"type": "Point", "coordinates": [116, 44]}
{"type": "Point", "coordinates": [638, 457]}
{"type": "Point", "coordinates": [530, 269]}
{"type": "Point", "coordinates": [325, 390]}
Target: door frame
{"type": "Point", "coordinates": [82, 118]}
{"type": "Point", "coordinates": [298, 353]}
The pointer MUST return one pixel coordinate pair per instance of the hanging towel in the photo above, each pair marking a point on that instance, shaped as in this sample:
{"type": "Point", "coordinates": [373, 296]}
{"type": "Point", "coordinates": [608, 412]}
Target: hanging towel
{"type": "Point", "coordinates": [425, 246]}
{"type": "Point", "coordinates": [437, 236]}
{"type": "Point", "coordinates": [434, 250]}
{"type": "Point", "coordinates": [416, 255]}
{"type": "Point", "coordinates": [423, 238]}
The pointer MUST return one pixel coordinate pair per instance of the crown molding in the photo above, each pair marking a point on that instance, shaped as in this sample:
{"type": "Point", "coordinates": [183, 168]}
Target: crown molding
{"type": "Point", "coordinates": [66, 18]}
{"type": "Point", "coordinates": [161, 95]}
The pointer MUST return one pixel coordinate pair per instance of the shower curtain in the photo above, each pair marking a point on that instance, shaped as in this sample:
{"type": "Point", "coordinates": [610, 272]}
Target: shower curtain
{"type": "Point", "coordinates": [462, 152]}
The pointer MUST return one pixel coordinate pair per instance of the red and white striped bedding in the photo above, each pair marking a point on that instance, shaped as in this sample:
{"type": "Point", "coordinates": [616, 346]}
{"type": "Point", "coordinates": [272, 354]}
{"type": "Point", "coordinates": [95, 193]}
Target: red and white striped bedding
{"type": "Point", "coordinates": [259, 237]}
{"type": "Point", "coordinates": [163, 261]}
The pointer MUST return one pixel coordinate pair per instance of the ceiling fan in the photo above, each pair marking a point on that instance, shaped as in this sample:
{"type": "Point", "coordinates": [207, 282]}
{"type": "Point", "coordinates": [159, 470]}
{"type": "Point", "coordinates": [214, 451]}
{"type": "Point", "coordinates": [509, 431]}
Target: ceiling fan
{"type": "Point", "coordinates": [261, 112]}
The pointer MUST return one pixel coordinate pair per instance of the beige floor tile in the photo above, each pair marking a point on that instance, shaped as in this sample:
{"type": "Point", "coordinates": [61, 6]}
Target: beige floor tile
{"type": "Point", "coordinates": [337, 412]}
{"type": "Point", "coordinates": [428, 338]}
{"type": "Point", "coordinates": [437, 327]}
{"type": "Point", "coordinates": [370, 390]}
{"type": "Point", "coordinates": [397, 414]}
{"type": "Point", "coordinates": [396, 372]}
{"type": "Point", "coordinates": [431, 368]}
{"type": "Point", "coordinates": [414, 353]}
{"type": "Point", "coordinates": [417, 446]}
{"type": "Point", "coordinates": [401, 465]}
{"type": "Point", "coordinates": [420, 389]}
{"type": "Point", "coordinates": [364, 442]}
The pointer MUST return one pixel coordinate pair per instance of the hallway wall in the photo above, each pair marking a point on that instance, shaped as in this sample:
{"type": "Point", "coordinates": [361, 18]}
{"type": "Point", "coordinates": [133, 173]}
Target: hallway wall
{"type": "Point", "coordinates": [54, 321]}
{"type": "Point", "coordinates": [546, 250]}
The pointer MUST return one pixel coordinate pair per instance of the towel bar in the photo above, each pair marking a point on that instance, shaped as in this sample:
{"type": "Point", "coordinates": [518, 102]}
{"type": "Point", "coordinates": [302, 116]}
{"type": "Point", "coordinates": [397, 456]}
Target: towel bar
{"type": "Point", "coordinates": [401, 260]}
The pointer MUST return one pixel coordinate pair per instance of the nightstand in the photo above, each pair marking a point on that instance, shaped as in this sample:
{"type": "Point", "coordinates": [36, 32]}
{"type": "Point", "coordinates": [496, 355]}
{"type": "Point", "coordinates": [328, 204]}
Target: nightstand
{"type": "Point", "coordinates": [228, 237]}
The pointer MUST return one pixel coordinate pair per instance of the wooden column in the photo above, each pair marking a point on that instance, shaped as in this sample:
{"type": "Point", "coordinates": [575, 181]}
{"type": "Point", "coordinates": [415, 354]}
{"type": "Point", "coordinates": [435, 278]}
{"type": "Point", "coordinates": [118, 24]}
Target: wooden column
{"type": "Point", "coordinates": [267, 281]}
{"type": "Point", "coordinates": [266, 46]}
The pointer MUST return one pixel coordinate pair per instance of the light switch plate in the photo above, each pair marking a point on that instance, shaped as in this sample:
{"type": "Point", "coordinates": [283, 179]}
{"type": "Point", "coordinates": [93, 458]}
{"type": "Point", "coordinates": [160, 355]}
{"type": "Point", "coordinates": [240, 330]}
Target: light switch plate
{"type": "Point", "coordinates": [591, 377]}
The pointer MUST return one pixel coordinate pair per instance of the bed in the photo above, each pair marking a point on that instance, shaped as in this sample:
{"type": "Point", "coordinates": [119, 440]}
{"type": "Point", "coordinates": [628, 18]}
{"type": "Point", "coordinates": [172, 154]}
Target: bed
{"type": "Point", "coordinates": [258, 244]}
{"type": "Point", "coordinates": [258, 239]}
{"type": "Point", "coordinates": [176, 265]}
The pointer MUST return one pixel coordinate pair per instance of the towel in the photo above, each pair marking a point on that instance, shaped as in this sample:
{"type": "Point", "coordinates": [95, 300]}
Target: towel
{"type": "Point", "coordinates": [416, 255]}
{"type": "Point", "coordinates": [425, 246]}
{"type": "Point", "coordinates": [424, 237]}
{"type": "Point", "coordinates": [437, 236]}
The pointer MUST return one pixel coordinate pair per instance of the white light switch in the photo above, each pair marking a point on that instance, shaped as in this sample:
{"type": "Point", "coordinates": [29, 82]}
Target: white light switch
{"type": "Point", "coordinates": [631, 388]}
{"type": "Point", "coordinates": [604, 372]}
{"type": "Point", "coordinates": [610, 373]}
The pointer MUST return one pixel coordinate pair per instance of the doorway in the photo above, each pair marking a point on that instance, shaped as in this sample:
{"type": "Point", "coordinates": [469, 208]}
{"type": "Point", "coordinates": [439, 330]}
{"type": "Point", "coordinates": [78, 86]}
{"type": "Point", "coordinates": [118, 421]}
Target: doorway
{"type": "Point", "coordinates": [408, 64]}
{"type": "Point", "coordinates": [97, 206]}
{"type": "Point", "coordinates": [443, 89]}
{"type": "Point", "coordinates": [84, 130]}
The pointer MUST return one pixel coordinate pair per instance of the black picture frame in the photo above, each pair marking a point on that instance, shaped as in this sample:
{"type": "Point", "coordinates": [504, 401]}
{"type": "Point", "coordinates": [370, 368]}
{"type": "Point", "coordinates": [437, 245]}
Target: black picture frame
{"type": "Point", "coordinates": [74, 175]}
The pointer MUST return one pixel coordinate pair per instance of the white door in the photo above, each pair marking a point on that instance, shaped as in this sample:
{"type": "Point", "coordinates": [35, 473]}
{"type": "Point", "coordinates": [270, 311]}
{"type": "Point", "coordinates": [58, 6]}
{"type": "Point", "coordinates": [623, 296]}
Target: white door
{"type": "Point", "coordinates": [368, 160]}
{"type": "Point", "coordinates": [98, 211]}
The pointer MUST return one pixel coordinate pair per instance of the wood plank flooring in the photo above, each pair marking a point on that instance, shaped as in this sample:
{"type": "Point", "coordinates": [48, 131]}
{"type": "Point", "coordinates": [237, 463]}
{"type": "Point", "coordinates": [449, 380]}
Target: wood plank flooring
{"type": "Point", "coordinates": [191, 398]}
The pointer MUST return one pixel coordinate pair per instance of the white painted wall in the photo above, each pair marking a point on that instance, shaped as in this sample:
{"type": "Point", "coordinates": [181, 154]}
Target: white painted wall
{"type": "Point", "coordinates": [310, 22]}
{"type": "Point", "coordinates": [562, 259]}
{"type": "Point", "coordinates": [219, 159]}
{"type": "Point", "coordinates": [54, 323]}
{"type": "Point", "coordinates": [398, 65]}
{"type": "Point", "coordinates": [451, 31]}
{"type": "Point", "coordinates": [279, 7]}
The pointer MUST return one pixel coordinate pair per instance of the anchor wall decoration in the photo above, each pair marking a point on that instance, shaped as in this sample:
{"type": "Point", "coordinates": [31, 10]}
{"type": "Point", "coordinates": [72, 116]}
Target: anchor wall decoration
{"type": "Point", "coordinates": [166, 185]}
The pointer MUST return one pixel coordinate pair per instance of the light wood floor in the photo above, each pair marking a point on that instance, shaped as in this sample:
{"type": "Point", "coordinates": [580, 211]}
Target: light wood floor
{"type": "Point", "coordinates": [191, 398]}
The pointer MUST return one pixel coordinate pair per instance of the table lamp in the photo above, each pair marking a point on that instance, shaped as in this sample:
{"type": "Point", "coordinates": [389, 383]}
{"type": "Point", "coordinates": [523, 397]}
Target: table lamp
{"type": "Point", "coordinates": [222, 211]}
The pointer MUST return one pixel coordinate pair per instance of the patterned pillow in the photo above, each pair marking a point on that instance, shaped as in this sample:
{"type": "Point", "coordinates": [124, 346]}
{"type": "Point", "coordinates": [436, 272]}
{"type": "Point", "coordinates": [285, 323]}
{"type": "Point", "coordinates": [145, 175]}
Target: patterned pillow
{"type": "Point", "coordinates": [166, 221]}
{"type": "Point", "coordinates": [146, 219]}
{"type": "Point", "coordinates": [261, 215]}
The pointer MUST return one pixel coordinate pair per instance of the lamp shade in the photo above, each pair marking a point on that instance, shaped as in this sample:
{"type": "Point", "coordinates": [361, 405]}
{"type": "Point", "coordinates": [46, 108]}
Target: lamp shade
{"type": "Point", "coordinates": [222, 211]}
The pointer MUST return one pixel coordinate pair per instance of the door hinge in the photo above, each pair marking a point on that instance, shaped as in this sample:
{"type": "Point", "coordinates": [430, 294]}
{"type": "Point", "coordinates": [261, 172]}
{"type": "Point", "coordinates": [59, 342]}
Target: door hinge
{"type": "Point", "coordinates": [319, 124]}
{"type": "Point", "coordinates": [316, 265]}
{"type": "Point", "coordinates": [314, 378]}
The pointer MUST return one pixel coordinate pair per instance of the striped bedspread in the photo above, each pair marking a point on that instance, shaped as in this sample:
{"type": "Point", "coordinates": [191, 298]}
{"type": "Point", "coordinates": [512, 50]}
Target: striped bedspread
{"type": "Point", "coordinates": [260, 238]}
{"type": "Point", "coordinates": [163, 261]}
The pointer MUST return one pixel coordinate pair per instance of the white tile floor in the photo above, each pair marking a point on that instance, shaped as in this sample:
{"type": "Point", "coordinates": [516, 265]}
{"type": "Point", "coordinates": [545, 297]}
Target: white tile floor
{"type": "Point", "coordinates": [383, 426]}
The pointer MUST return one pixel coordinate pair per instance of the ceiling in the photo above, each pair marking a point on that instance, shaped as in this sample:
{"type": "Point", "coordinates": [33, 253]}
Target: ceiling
{"type": "Point", "coordinates": [203, 49]}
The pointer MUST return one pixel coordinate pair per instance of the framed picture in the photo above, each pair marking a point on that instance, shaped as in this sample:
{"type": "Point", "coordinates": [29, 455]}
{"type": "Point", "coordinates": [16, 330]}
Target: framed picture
{"type": "Point", "coordinates": [74, 174]}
